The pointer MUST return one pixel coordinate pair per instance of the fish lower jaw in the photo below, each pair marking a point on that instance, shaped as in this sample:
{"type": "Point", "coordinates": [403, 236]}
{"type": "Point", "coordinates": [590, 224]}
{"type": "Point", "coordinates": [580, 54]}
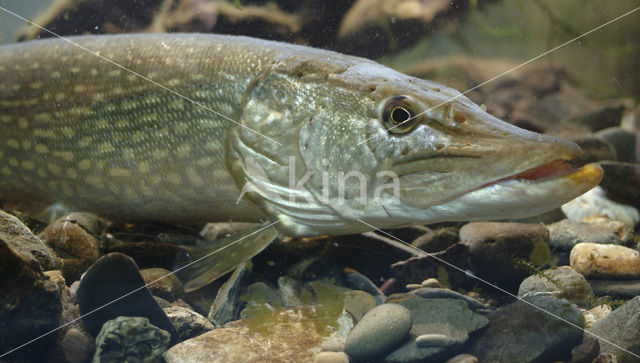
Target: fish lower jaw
{"type": "Point", "coordinates": [521, 197]}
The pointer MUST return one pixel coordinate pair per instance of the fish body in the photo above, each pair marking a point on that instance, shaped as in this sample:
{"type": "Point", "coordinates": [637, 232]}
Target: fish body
{"type": "Point", "coordinates": [175, 127]}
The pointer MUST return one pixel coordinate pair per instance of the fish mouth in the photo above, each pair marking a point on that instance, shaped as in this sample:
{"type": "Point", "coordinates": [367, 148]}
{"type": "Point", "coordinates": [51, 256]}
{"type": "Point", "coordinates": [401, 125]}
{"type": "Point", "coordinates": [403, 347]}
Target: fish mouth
{"type": "Point", "coordinates": [559, 169]}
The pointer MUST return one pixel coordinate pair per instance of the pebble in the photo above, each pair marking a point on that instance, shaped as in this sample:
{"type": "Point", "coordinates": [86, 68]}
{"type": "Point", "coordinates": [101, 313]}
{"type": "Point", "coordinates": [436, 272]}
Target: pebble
{"type": "Point", "coordinates": [289, 289]}
{"type": "Point", "coordinates": [75, 239]}
{"type": "Point", "coordinates": [358, 303]}
{"type": "Point", "coordinates": [331, 357]}
{"type": "Point", "coordinates": [379, 330]}
{"type": "Point", "coordinates": [22, 241]}
{"type": "Point", "coordinates": [163, 283]}
{"type": "Point", "coordinates": [432, 340]}
{"type": "Point", "coordinates": [596, 313]}
{"type": "Point", "coordinates": [332, 345]}
{"type": "Point", "coordinates": [463, 358]}
{"type": "Point", "coordinates": [77, 346]}
{"type": "Point", "coordinates": [431, 283]}
{"type": "Point", "coordinates": [130, 338]}
{"type": "Point", "coordinates": [492, 244]}
{"type": "Point", "coordinates": [595, 201]}
{"type": "Point", "coordinates": [519, 332]}
{"type": "Point", "coordinates": [567, 233]}
{"type": "Point", "coordinates": [593, 149]}
{"type": "Point", "coordinates": [621, 327]}
{"type": "Point", "coordinates": [187, 322]}
{"type": "Point", "coordinates": [564, 282]}
{"type": "Point", "coordinates": [622, 288]}
{"type": "Point", "coordinates": [413, 286]}
{"type": "Point", "coordinates": [621, 181]}
{"type": "Point", "coordinates": [436, 240]}
{"type": "Point", "coordinates": [449, 317]}
{"type": "Point", "coordinates": [227, 305]}
{"type": "Point", "coordinates": [288, 335]}
{"type": "Point", "coordinates": [259, 293]}
{"type": "Point", "coordinates": [114, 280]}
{"type": "Point", "coordinates": [606, 358]}
{"type": "Point", "coordinates": [605, 261]}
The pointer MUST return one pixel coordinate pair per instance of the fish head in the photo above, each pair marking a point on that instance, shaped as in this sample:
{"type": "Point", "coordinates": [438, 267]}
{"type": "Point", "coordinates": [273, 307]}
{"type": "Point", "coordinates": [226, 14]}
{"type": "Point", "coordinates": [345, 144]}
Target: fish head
{"type": "Point", "coordinates": [393, 150]}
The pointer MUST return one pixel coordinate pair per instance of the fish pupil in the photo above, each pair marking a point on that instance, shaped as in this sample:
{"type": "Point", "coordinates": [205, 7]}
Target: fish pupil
{"type": "Point", "coordinates": [400, 115]}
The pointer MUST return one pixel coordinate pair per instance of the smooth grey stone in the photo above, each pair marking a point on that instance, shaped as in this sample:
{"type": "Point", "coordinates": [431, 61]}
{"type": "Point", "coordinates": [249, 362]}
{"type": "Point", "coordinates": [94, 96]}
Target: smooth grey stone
{"type": "Point", "coordinates": [130, 339]}
{"type": "Point", "coordinates": [438, 292]}
{"type": "Point", "coordinates": [358, 303]}
{"type": "Point", "coordinates": [623, 141]}
{"type": "Point", "coordinates": [379, 330]}
{"type": "Point", "coordinates": [113, 287]}
{"type": "Point", "coordinates": [622, 327]}
{"type": "Point", "coordinates": [567, 233]}
{"type": "Point", "coordinates": [227, 305]}
{"type": "Point", "coordinates": [449, 317]}
{"type": "Point", "coordinates": [623, 288]}
{"type": "Point", "coordinates": [519, 332]}
{"type": "Point", "coordinates": [564, 282]}
{"type": "Point", "coordinates": [357, 281]}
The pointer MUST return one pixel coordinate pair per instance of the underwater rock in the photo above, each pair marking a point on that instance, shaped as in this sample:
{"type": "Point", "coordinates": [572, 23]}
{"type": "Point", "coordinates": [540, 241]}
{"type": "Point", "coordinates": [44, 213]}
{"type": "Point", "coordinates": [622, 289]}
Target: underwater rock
{"type": "Point", "coordinates": [163, 283]}
{"type": "Point", "coordinates": [622, 288]}
{"type": "Point", "coordinates": [593, 150]}
{"type": "Point", "coordinates": [623, 141]}
{"type": "Point", "coordinates": [564, 282]}
{"type": "Point", "coordinates": [358, 303]}
{"type": "Point", "coordinates": [436, 240]}
{"type": "Point", "coordinates": [495, 247]}
{"type": "Point", "coordinates": [130, 339]}
{"type": "Point", "coordinates": [608, 114]}
{"type": "Point", "coordinates": [357, 281]}
{"type": "Point", "coordinates": [315, 268]}
{"type": "Point", "coordinates": [187, 322]}
{"type": "Point", "coordinates": [331, 357]}
{"type": "Point", "coordinates": [113, 287]}
{"type": "Point", "coordinates": [622, 327]}
{"type": "Point", "coordinates": [449, 317]}
{"type": "Point", "coordinates": [227, 305]}
{"type": "Point", "coordinates": [75, 239]}
{"type": "Point", "coordinates": [432, 340]}
{"type": "Point", "coordinates": [463, 358]}
{"type": "Point", "coordinates": [596, 202]}
{"type": "Point", "coordinates": [24, 242]}
{"type": "Point", "coordinates": [621, 181]}
{"type": "Point", "coordinates": [288, 335]}
{"type": "Point", "coordinates": [567, 233]}
{"type": "Point", "coordinates": [289, 289]}
{"type": "Point", "coordinates": [519, 332]}
{"type": "Point", "coordinates": [379, 330]}
{"type": "Point", "coordinates": [78, 346]}
{"type": "Point", "coordinates": [587, 351]}
{"type": "Point", "coordinates": [605, 261]}
{"type": "Point", "coordinates": [438, 293]}
{"type": "Point", "coordinates": [259, 292]}
{"type": "Point", "coordinates": [30, 302]}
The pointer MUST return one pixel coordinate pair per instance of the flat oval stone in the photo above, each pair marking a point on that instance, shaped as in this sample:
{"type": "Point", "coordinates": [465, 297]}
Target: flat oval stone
{"type": "Point", "coordinates": [606, 261]}
{"type": "Point", "coordinates": [432, 340]}
{"type": "Point", "coordinates": [379, 330]}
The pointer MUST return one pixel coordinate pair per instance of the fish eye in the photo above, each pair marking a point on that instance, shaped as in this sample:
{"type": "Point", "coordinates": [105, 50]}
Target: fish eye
{"type": "Point", "coordinates": [398, 115]}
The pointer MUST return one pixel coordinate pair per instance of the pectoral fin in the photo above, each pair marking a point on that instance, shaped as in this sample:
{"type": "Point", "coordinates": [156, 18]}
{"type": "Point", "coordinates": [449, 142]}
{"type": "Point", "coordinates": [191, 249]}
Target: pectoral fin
{"type": "Point", "coordinates": [202, 264]}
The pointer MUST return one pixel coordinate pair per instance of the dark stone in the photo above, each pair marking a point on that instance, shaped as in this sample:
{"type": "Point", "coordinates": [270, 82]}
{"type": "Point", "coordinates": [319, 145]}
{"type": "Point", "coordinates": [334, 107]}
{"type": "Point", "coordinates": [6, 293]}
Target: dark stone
{"type": "Point", "coordinates": [30, 304]}
{"type": "Point", "coordinates": [227, 305]}
{"type": "Point", "coordinates": [593, 150]}
{"type": "Point", "coordinates": [113, 287]}
{"type": "Point", "coordinates": [605, 116]}
{"type": "Point", "coordinates": [520, 332]}
{"type": "Point", "coordinates": [315, 268]}
{"type": "Point", "coordinates": [495, 249]}
{"type": "Point", "coordinates": [622, 327]}
{"type": "Point", "coordinates": [392, 286]}
{"type": "Point", "coordinates": [357, 281]}
{"type": "Point", "coordinates": [188, 323]}
{"type": "Point", "coordinates": [621, 181]}
{"type": "Point", "coordinates": [437, 240]}
{"type": "Point", "coordinates": [587, 351]}
{"type": "Point", "coordinates": [163, 283]}
{"type": "Point", "coordinates": [622, 288]}
{"type": "Point", "coordinates": [567, 233]}
{"type": "Point", "coordinates": [438, 293]}
{"type": "Point", "coordinates": [624, 142]}
{"type": "Point", "coordinates": [130, 339]}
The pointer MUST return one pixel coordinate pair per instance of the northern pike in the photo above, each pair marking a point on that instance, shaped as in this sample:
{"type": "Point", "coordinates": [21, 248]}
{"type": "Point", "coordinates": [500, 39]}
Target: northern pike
{"type": "Point", "coordinates": [173, 128]}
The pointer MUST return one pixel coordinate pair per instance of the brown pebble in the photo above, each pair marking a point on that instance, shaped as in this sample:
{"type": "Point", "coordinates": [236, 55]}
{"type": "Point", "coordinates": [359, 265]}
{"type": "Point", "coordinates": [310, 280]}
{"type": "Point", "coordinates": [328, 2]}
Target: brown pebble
{"type": "Point", "coordinates": [77, 346]}
{"type": "Point", "coordinates": [331, 357]}
{"type": "Point", "coordinates": [163, 283]}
